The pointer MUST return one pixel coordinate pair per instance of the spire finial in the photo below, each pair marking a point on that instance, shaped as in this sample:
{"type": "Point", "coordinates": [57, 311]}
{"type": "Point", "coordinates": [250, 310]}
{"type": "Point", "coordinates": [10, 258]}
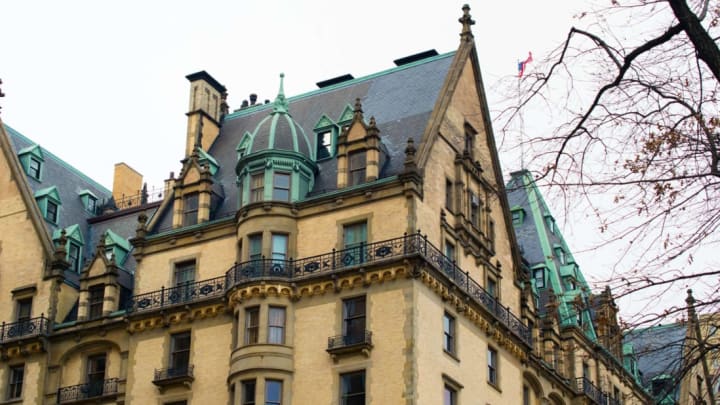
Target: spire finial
{"type": "Point", "coordinates": [466, 21]}
{"type": "Point", "coordinates": [280, 104]}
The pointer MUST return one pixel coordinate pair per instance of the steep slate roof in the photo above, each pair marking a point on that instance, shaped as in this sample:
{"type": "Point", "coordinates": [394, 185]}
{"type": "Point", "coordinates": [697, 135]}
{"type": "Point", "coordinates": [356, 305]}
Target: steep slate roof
{"type": "Point", "coordinates": [539, 239]}
{"type": "Point", "coordinates": [659, 351]}
{"type": "Point", "coordinates": [70, 184]}
{"type": "Point", "coordinates": [401, 100]}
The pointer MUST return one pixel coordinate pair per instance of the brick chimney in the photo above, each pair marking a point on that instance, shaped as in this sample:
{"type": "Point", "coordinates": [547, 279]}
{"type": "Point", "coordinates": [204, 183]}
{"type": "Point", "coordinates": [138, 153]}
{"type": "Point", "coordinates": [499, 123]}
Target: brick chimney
{"type": "Point", "coordinates": [127, 183]}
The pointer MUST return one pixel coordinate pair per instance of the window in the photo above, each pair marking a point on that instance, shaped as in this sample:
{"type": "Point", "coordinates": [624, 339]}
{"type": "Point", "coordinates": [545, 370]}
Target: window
{"type": "Point", "coordinates": [448, 333]}
{"type": "Point", "coordinates": [15, 383]}
{"type": "Point", "coordinates": [517, 216]}
{"type": "Point", "coordinates": [449, 261]}
{"type": "Point", "coordinates": [34, 168]}
{"type": "Point", "coordinates": [96, 374]}
{"type": "Point", "coordinates": [579, 316]}
{"type": "Point", "coordinates": [470, 140]}
{"type": "Point", "coordinates": [257, 187]}
{"type": "Point", "coordinates": [354, 240]}
{"type": "Point", "coordinates": [24, 309]}
{"type": "Point", "coordinates": [586, 371]}
{"type": "Point", "coordinates": [356, 168]}
{"type": "Point", "coordinates": [492, 287]}
{"type": "Point", "coordinates": [281, 187]}
{"type": "Point", "coordinates": [255, 246]}
{"type": "Point", "coordinates": [179, 354]}
{"type": "Point", "coordinates": [276, 325]}
{"type": "Point", "coordinates": [324, 145]}
{"type": "Point", "coordinates": [247, 397]}
{"type": "Point", "coordinates": [184, 275]}
{"type": "Point", "coordinates": [51, 211]}
{"type": "Point", "coordinates": [252, 324]}
{"type": "Point", "coordinates": [352, 388]}
{"type": "Point", "coordinates": [279, 246]}
{"type": "Point", "coordinates": [91, 204]}
{"type": "Point", "coordinates": [190, 209]}
{"type": "Point", "coordinates": [273, 392]}
{"type": "Point", "coordinates": [475, 210]}
{"type": "Point", "coordinates": [539, 276]}
{"type": "Point", "coordinates": [73, 256]}
{"type": "Point", "coordinates": [526, 395]}
{"type": "Point", "coordinates": [354, 320]}
{"type": "Point", "coordinates": [550, 223]}
{"type": "Point", "coordinates": [449, 395]}
{"type": "Point", "coordinates": [448, 194]}
{"type": "Point", "coordinates": [561, 255]}
{"type": "Point", "coordinates": [492, 362]}
{"type": "Point", "coordinates": [96, 295]}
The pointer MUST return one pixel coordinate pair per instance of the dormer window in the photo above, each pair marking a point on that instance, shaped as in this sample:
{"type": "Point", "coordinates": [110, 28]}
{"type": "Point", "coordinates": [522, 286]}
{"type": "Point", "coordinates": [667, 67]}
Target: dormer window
{"type": "Point", "coordinates": [562, 257]}
{"type": "Point", "coordinates": [539, 277]}
{"type": "Point", "coordinates": [550, 221]}
{"type": "Point", "coordinates": [518, 215]}
{"type": "Point", "coordinates": [73, 246]}
{"type": "Point", "coordinates": [73, 256]}
{"type": "Point", "coordinates": [356, 169]}
{"type": "Point", "coordinates": [116, 245]}
{"type": "Point", "coordinates": [89, 201]}
{"type": "Point", "coordinates": [324, 144]}
{"type": "Point", "coordinates": [32, 160]}
{"type": "Point", "coordinates": [48, 201]}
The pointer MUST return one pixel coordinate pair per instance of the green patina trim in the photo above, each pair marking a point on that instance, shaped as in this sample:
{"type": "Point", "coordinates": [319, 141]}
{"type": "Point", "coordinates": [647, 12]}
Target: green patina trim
{"type": "Point", "coordinates": [260, 124]}
{"type": "Point", "coordinates": [346, 116]}
{"type": "Point", "coordinates": [244, 142]}
{"type": "Point", "coordinates": [87, 192]}
{"type": "Point", "coordinates": [251, 110]}
{"type": "Point", "coordinates": [111, 238]}
{"type": "Point", "coordinates": [34, 150]}
{"type": "Point", "coordinates": [273, 128]}
{"type": "Point", "coordinates": [324, 123]}
{"type": "Point", "coordinates": [71, 232]}
{"type": "Point", "coordinates": [60, 161]}
{"type": "Point", "coordinates": [204, 156]}
{"type": "Point", "coordinates": [49, 192]}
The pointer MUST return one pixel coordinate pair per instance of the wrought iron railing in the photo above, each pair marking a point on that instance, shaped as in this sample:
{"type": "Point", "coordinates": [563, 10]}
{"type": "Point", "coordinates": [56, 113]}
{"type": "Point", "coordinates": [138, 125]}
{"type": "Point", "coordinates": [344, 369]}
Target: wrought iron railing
{"type": "Point", "coordinates": [24, 329]}
{"type": "Point", "coordinates": [350, 339]}
{"type": "Point", "coordinates": [183, 294]}
{"type": "Point", "coordinates": [585, 386]}
{"type": "Point", "coordinates": [91, 389]}
{"type": "Point", "coordinates": [337, 260]}
{"type": "Point", "coordinates": [164, 374]}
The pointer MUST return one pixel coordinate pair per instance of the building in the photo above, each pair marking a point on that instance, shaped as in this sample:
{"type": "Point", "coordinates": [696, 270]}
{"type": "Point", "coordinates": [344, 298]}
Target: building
{"type": "Point", "coordinates": [350, 245]}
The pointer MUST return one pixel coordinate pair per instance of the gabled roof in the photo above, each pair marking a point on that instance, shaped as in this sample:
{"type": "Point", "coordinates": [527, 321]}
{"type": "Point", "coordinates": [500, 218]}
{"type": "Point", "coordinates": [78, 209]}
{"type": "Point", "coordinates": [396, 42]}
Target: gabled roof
{"type": "Point", "coordinates": [401, 100]}
{"type": "Point", "coordinates": [540, 244]}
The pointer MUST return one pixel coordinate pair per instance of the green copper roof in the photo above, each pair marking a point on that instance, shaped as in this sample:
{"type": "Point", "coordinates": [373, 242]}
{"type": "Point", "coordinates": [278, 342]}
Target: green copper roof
{"type": "Point", "coordinates": [111, 238]}
{"type": "Point", "coordinates": [50, 192]}
{"type": "Point", "coordinates": [71, 232]}
{"type": "Point", "coordinates": [34, 150]}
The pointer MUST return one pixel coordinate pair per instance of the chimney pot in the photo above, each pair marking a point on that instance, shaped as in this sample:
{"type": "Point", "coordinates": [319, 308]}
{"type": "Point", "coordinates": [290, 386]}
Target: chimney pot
{"type": "Point", "coordinates": [253, 98]}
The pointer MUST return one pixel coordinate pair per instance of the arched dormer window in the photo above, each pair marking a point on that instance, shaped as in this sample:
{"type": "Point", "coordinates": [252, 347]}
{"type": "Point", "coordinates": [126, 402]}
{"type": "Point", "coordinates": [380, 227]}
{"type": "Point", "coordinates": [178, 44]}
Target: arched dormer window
{"type": "Point", "coordinates": [325, 138]}
{"type": "Point", "coordinates": [32, 160]}
{"type": "Point", "coordinates": [73, 246]}
{"type": "Point", "coordinates": [48, 200]}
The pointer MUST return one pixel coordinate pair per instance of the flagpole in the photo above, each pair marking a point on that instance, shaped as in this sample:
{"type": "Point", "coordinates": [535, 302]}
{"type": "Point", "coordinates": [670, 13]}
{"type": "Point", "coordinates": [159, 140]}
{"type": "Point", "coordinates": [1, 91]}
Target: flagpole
{"type": "Point", "coordinates": [522, 125]}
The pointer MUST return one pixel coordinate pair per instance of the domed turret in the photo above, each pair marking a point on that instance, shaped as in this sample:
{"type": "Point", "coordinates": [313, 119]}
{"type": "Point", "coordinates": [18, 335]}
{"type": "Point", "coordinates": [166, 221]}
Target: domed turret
{"type": "Point", "coordinates": [278, 161]}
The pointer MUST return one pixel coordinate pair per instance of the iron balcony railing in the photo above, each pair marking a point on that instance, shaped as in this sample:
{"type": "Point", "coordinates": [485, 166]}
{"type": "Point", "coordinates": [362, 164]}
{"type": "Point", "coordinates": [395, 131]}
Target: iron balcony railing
{"type": "Point", "coordinates": [88, 390]}
{"type": "Point", "coordinates": [350, 339]}
{"type": "Point", "coordinates": [337, 260]}
{"type": "Point", "coordinates": [585, 386]}
{"type": "Point", "coordinates": [32, 327]}
{"type": "Point", "coordinates": [173, 373]}
{"type": "Point", "coordinates": [183, 294]}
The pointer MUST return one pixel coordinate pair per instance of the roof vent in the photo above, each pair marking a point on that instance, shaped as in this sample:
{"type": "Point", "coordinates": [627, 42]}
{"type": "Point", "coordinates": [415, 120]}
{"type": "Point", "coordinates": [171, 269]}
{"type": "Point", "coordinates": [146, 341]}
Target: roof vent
{"type": "Point", "coordinates": [415, 57]}
{"type": "Point", "coordinates": [334, 80]}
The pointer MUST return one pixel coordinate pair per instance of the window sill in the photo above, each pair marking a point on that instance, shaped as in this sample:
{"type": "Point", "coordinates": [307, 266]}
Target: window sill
{"type": "Point", "coordinates": [452, 355]}
{"type": "Point", "coordinates": [12, 401]}
{"type": "Point", "coordinates": [495, 386]}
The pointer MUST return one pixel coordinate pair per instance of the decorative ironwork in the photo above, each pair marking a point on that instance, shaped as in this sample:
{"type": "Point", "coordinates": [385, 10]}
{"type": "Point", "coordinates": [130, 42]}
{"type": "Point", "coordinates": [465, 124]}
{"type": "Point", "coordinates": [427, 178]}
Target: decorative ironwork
{"type": "Point", "coordinates": [91, 389]}
{"type": "Point", "coordinates": [585, 386]}
{"type": "Point", "coordinates": [173, 375]}
{"type": "Point", "coordinates": [352, 339]}
{"type": "Point", "coordinates": [337, 260]}
{"type": "Point", "coordinates": [24, 329]}
{"type": "Point", "coordinates": [183, 294]}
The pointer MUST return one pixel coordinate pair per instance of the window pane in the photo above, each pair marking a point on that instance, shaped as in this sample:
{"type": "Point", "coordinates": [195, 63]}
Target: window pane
{"type": "Point", "coordinates": [356, 168]}
{"type": "Point", "coordinates": [449, 395]}
{"type": "Point", "coordinates": [276, 325]}
{"type": "Point", "coordinates": [34, 169]}
{"type": "Point", "coordinates": [17, 373]}
{"type": "Point", "coordinates": [354, 320]}
{"type": "Point", "coordinates": [96, 298]}
{"type": "Point", "coordinates": [248, 393]}
{"type": "Point", "coordinates": [273, 392]}
{"type": "Point", "coordinates": [190, 209]}
{"type": "Point", "coordinates": [252, 321]}
{"type": "Point", "coordinates": [279, 246]}
{"type": "Point", "coordinates": [449, 333]}
{"type": "Point", "coordinates": [51, 211]}
{"type": "Point", "coordinates": [255, 246]}
{"type": "Point", "coordinates": [257, 187]}
{"type": "Point", "coordinates": [281, 187]}
{"type": "Point", "coordinates": [24, 308]}
{"type": "Point", "coordinates": [180, 355]}
{"type": "Point", "coordinates": [352, 388]}
{"type": "Point", "coordinates": [324, 145]}
{"type": "Point", "coordinates": [74, 257]}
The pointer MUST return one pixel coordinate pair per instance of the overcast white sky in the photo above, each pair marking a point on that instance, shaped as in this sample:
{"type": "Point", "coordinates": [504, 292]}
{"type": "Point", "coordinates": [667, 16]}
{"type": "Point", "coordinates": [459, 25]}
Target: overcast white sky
{"type": "Point", "coordinates": [98, 83]}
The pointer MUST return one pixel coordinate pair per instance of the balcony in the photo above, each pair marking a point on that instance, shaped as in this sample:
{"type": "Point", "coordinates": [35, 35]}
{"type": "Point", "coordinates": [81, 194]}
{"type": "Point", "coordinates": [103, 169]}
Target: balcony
{"type": "Point", "coordinates": [174, 376]}
{"type": "Point", "coordinates": [30, 328]}
{"type": "Point", "coordinates": [94, 391]}
{"type": "Point", "coordinates": [350, 343]}
{"type": "Point", "coordinates": [180, 295]}
{"type": "Point", "coordinates": [586, 387]}
{"type": "Point", "coordinates": [414, 245]}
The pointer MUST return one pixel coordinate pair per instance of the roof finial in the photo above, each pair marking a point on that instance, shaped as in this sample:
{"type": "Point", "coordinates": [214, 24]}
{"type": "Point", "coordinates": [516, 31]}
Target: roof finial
{"type": "Point", "coordinates": [466, 21]}
{"type": "Point", "coordinates": [280, 104]}
{"type": "Point", "coordinates": [357, 111]}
